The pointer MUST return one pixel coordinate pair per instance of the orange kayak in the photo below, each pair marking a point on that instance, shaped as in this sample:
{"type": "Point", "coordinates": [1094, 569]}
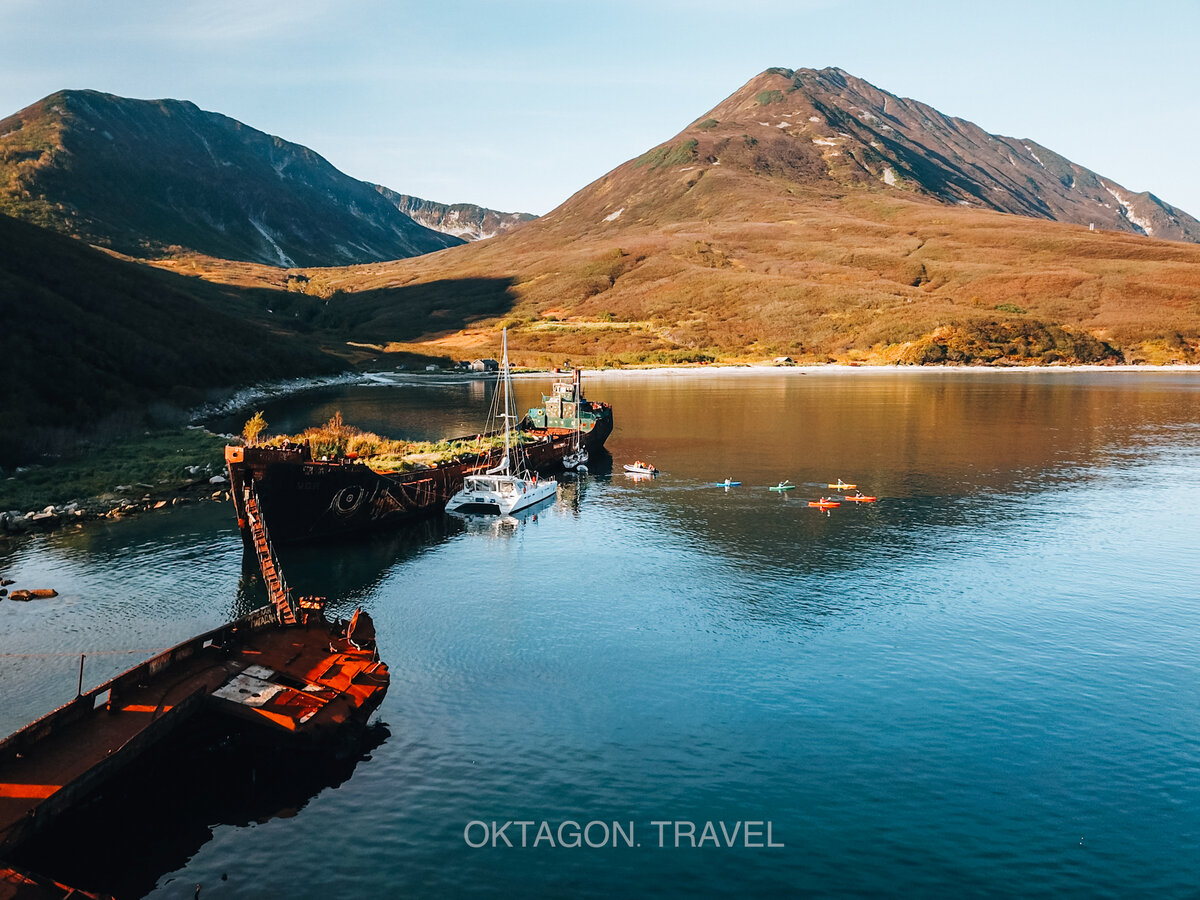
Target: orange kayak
{"type": "Point", "coordinates": [842, 486]}
{"type": "Point", "coordinates": [861, 499]}
{"type": "Point", "coordinates": [824, 504]}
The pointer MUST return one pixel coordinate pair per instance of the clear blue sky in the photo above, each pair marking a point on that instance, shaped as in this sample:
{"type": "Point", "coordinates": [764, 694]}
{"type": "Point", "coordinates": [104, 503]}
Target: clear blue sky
{"type": "Point", "coordinates": [516, 105]}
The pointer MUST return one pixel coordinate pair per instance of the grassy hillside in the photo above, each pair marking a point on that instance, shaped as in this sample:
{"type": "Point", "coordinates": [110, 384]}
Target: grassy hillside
{"type": "Point", "coordinates": [96, 344]}
{"type": "Point", "coordinates": [861, 277]}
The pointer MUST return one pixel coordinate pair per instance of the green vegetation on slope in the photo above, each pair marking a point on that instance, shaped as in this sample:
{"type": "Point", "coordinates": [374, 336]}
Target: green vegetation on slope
{"type": "Point", "coordinates": [671, 155]}
{"type": "Point", "coordinates": [155, 458]}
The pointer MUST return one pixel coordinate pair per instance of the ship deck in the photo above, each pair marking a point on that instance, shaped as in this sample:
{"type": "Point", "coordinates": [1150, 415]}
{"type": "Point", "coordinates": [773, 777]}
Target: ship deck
{"type": "Point", "coordinates": [303, 681]}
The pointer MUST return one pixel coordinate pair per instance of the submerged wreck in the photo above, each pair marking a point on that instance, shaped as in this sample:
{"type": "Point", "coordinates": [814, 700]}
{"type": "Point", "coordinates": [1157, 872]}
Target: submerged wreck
{"type": "Point", "coordinates": [284, 674]}
{"type": "Point", "coordinates": [309, 499]}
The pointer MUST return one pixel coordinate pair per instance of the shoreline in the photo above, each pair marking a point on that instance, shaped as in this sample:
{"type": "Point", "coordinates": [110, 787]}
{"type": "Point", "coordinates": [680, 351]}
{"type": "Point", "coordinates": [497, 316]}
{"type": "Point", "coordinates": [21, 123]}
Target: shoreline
{"type": "Point", "coordinates": [843, 368]}
{"type": "Point", "coordinates": [122, 478]}
{"type": "Point", "coordinates": [246, 397]}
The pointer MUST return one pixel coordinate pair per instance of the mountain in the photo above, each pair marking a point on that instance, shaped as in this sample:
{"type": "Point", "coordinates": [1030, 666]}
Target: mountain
{"type": "Point", "coordinates": [463, 220]}
{"type": "Point", "coordinates": [814, 216]}
{"type": "Point", "coordinates": [92, 341]}
{"type": "Point", "coordinates": [149, 177]}
{"type": "Point", "coordinates": [830, 131]}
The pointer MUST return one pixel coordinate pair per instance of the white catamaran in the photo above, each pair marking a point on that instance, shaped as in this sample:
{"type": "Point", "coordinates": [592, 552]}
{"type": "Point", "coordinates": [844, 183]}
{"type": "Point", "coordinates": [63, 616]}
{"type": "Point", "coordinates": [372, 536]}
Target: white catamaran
{"type": "Point", "coordinates": [508, 486]}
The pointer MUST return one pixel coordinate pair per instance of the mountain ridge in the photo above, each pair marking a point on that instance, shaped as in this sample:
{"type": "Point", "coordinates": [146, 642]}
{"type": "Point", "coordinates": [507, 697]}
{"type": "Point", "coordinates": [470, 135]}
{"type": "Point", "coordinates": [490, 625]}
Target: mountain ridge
{"type": "Point", "coordinates": [463, 220]}
{"type": "Point", "coordinates": [828, 131]}
{"type": "Point", "coordinates": [147, 176]}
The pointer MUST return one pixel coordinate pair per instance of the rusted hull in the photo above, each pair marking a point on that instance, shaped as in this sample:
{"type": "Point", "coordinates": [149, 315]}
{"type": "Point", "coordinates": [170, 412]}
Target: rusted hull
{"type": "Point", "coordinates": [18, 884]}
{"type": "Point", "coordinates": [316, 683]}
{"type": "Point", "coordinates": [312, 500]}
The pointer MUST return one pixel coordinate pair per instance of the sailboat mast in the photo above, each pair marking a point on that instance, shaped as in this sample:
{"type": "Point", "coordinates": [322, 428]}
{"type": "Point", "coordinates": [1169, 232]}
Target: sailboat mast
{"type": "Point", "coordinates": [507, 397]}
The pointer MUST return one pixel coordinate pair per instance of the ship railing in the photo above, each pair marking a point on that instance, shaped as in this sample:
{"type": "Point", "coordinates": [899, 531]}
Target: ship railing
{"type": "Point", "coordinates": [110, 692]}
{"type": "Point", "coordinates": [107, 699]}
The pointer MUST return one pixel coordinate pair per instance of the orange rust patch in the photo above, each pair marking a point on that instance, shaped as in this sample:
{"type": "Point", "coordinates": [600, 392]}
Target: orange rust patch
{"type": "Point", "coordinates": [28, 791]}
{"type": "Point", "coordinates": [288, 722]}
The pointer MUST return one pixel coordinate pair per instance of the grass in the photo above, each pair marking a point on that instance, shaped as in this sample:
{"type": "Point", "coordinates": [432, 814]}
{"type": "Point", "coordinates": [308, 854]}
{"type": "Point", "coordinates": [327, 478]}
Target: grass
{"type": "Point", "coordinates": [337, 439]}
{"type": "Point", "coordinates": [670, 155]}
{"type": "Point", "coordinates": [156, 459]}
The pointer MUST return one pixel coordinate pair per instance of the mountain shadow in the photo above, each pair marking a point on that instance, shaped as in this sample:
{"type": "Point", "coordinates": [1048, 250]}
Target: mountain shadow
{"type": "Point", "coordinates": [408, 312]}
{"type": "Point", "coordinates": [89, 339]}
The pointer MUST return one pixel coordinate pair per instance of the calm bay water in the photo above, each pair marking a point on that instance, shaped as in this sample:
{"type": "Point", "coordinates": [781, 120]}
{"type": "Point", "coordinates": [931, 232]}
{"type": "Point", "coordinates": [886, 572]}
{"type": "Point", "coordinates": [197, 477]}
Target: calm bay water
{"type": "Point", "coordinates": [986, 683]}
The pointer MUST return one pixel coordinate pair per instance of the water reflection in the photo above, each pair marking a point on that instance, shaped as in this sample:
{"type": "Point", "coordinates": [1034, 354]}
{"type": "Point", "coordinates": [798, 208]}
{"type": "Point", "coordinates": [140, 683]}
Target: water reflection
{"type": "Point", "coordinates": [349, 572]}
{"type": "Point", "coordinates": [506, 526]}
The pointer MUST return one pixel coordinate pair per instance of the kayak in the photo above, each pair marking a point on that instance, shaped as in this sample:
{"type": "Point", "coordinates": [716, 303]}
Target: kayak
{"type": "Point", "coordinates": [861, 499]}
{"type": "Point", "coordinates": [842, 486]}
{"type": "Point", "coordinates": [727, 483]}
{"type": "Point", "coordinates": [782, 486]}
{"type": "Point", "coordinates": [824, 504]}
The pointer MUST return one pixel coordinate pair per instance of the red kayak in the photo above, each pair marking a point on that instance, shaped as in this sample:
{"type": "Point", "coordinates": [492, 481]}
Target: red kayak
{"type": "Point", "coordinates": [824, 504]}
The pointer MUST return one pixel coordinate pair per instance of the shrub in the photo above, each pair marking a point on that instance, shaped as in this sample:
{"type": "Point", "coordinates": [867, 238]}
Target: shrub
{"type": "Point", "coordinates": [765, 98]}
{"type": "Point", "coordinates": [679, 155]}
{"type": "Point", "coordinates": [253, 428]}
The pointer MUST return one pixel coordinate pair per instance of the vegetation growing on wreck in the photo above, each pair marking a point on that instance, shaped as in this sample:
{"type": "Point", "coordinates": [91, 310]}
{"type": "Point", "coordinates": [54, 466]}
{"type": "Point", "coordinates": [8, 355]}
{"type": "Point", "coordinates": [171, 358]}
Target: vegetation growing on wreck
{"type": "Point", "coordinates": [337, 439]}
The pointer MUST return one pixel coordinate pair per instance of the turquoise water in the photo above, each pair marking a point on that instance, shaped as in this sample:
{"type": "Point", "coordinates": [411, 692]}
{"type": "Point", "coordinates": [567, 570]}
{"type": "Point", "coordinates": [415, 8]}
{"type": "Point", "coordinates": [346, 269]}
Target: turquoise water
{"type": "Point", "coordinates": [986, 683]}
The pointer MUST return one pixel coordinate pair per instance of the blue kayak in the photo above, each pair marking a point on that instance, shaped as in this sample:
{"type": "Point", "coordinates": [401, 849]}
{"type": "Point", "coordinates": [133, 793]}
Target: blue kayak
{"type": "Point", "coordinates": [726, 483]}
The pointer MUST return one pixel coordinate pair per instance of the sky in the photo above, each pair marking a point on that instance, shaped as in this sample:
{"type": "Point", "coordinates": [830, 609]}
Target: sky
{"type": "Point", "coordinates": [517, 105]}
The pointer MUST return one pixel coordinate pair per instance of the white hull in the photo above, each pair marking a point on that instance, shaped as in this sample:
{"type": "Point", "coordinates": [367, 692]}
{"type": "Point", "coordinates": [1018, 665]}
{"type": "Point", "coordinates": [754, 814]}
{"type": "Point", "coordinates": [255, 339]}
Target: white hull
{"type": "Point", "coordinates": [503, 489]}
{"type": "Point", "coordinates": [500, 494]}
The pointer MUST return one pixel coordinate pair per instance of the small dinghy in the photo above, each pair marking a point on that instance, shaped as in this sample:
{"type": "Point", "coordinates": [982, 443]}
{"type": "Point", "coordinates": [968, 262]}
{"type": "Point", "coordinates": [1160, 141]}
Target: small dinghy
{"type": "Point", "coordinates": [641, 468]}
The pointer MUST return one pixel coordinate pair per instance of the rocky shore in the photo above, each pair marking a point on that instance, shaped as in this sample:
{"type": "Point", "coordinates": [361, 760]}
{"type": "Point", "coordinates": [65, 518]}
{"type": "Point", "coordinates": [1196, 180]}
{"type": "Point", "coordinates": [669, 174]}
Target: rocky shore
{"type": "Point", "coordinates": [123, 501]}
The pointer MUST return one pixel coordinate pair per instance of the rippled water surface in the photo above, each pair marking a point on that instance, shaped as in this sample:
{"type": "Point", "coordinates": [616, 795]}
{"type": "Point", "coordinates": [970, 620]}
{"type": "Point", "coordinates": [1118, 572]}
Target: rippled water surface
{"type": "Point", "coordinates": [987, 682]}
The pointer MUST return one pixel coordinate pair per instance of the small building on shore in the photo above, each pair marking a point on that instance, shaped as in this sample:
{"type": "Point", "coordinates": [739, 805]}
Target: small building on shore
{"type": "Point", "coordinates": [485, 365]}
